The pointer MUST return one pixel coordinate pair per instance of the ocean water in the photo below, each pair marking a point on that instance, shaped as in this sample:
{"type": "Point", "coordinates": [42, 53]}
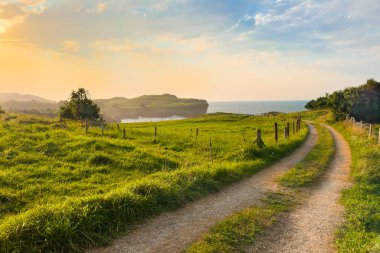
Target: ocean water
{"type": "Point", "coordinates": [257, 107]}
{"type": "Point", "coordinates": [143, 119]}
{"type": "Point", "coordinates": [240, 107]}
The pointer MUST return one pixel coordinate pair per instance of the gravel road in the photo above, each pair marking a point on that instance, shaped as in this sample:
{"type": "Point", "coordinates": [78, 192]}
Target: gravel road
{"type": "Point", "coordinates": [311, 227]}
{"type": "Point", "coordinates": [174, 231]}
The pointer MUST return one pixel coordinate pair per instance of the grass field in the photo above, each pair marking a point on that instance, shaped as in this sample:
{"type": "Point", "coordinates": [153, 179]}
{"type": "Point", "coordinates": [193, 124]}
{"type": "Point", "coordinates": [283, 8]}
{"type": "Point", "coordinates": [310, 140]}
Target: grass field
{"type": "Point", "coordinates": [63, 190]}
{"type": "Point", "coordinates": [241, 229]}
{"type": "Point", "coordinates": [361, 232]}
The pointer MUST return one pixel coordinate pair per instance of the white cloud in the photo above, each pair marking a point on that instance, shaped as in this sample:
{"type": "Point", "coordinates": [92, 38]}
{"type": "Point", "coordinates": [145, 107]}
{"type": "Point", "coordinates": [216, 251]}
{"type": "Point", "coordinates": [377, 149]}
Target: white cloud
{"type": "Point", "coordinates": [164, 45]}
{"type": "Point", "coordinates": [10, 14]}
{"type": "Point", "coordinates": [138, 12]}
{"type": "Point", "coordinates": [99, 8]}
{"type": "Point", "coordinates": [245, 18]}
{"type": "Point", "coordinates": [263, 19]}
{"type": "Point", "coordinates": [15, 13]}
{"type": "Point", "coordinates": [31, 2]}
{"type": "Point", "coordinates": [161, 5]}
{"type": "Point", "coordinates": [70, 46]}
{"type": "Point", "coordinates": [114, 45]}
{"type": "Point", "coordinates": [336, 26]}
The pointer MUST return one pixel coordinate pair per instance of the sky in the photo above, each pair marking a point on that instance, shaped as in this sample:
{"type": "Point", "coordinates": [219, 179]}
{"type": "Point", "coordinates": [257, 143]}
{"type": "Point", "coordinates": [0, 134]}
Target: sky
{"type": "Point", "coordinates": [217, 50]}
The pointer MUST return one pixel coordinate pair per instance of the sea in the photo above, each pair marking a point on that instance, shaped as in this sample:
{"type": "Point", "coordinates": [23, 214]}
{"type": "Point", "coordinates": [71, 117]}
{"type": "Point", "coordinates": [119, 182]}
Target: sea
{"type": "Point", "coordinates": [257, 107]}
{"type": "Point", "coordinates": [239, 107]}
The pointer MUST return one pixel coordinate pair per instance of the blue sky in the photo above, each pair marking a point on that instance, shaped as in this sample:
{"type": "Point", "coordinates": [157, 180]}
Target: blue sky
{"type": "Point", "coordinates": [219, 50]}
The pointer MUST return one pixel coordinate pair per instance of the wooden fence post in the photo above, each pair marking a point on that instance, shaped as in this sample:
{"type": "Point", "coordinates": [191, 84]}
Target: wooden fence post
{"type": "Point", "coordinates": [196, 135]}
{"type": "Point", "coordinates": [155, 131]}
{"type": "Point", "coordinates": [370, 131]}
{"type": "Point", "coordinates": [287, 129]}
{"type": "Point", "coordinates": [259, 140]}
{"type": "Point", "coordinates": [299, 122]}
{"type": "Point", "coordinates": [293, 128]}
{"type": "Point", "coordinates": [124, 133]}
{"type": "Point", "coordinates": [276, 132]}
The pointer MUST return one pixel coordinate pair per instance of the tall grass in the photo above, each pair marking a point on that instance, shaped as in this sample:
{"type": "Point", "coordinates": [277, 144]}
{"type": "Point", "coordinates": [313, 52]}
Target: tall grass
{"type": "Point", "coordinates": [62, 190]}
{"type": "Point", "coordinates": [361, 232]}
{"type": "Point", "coordinates": [239, 230]}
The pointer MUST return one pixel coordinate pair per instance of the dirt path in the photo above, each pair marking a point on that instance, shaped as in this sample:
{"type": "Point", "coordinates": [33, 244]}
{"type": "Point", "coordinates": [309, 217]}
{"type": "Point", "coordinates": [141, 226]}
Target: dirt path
{"type": "Point", "coordinates": [311, 227]}
{"type": "Point", "coordinates": [174, 231]}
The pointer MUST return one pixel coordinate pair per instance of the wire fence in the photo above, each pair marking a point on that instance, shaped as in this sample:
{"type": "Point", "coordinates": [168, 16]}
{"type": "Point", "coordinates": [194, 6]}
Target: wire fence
{"type": "Point", "coordinates": [368, 127]}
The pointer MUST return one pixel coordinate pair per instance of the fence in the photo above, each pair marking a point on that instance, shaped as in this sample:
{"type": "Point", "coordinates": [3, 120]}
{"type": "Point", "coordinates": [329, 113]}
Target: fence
{"type": "Point", "coordinates": [368, 127]}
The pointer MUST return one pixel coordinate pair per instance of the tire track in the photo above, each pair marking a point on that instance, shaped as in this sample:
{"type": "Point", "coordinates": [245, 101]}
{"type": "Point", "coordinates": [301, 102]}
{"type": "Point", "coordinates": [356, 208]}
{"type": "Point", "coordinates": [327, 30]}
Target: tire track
{"type": "Point", "coordinates": [174, 231]}
{"type": "Point", "coordinates": [311, 227]}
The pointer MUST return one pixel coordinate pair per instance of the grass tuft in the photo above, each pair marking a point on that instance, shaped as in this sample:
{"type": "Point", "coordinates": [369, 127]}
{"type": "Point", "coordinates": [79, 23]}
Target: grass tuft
{"type": "Point", "coordinates": [101, 159]}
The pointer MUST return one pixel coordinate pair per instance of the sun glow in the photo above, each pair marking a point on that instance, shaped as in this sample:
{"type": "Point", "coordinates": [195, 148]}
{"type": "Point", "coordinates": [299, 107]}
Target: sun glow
{"type": "Point", "coordinates": [130, 48]}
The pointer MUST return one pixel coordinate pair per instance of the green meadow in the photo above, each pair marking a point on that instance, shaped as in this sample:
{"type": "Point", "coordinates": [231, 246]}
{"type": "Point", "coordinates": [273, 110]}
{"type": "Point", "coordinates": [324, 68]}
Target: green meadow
{"type": "Point", "coordinates": [241, 229]}
{"type": "Point", "coordinates": [64, 190]}
{"type": "Point", "coordinates": [361, 232]}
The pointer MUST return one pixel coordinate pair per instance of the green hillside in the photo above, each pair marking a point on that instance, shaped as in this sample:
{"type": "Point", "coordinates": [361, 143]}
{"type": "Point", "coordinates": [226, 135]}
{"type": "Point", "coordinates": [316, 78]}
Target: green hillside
{"type": "Point", "coordinates": [165, 105]}
{"type": "Point", "coordinates": [63, 190]}
{"type": "Point", "coordinates": [114, 109]}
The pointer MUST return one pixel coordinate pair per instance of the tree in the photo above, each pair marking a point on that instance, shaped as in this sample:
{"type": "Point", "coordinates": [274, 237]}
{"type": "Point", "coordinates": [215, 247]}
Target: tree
{"type": "Point", "coordinates": [361, 102]}
{"type": "Point", "coordinates": [319, 103]}
{"type": "Point", "coordinates": [339, 105]}
{"type": "Point", "coordinates": [80, 107]}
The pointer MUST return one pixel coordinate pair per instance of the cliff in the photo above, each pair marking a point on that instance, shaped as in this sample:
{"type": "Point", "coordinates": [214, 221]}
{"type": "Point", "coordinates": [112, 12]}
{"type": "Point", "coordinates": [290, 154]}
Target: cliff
{"type": "Point", "coordinates": [114, 109]}
{"type": "Point", "coordinates": [166, 105]}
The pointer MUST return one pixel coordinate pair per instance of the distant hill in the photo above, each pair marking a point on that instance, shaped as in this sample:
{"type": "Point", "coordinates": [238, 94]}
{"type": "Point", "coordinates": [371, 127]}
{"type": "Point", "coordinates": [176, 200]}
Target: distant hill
{"type": "Point", "coordinates": [4, 97]}
{"type": "Point", "coordinates": [28, 104]}
{"type": "Point", "coordinates": [166, 105]}
{"type": "Point", "coordinates": [114, 109]}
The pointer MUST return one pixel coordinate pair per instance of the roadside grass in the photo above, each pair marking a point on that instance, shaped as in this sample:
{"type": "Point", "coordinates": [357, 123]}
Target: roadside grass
{"type": "Point", "coordinates": [361, 232]}
{"type": "Point", "coordinates": [63, 191]}
{"type": "Point", "coordinates": [240, 229]}
{"type": "Point", "coordinates": [314, 164]}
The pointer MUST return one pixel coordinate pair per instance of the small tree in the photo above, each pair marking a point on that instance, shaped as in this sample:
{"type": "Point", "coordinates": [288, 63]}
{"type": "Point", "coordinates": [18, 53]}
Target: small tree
{"type": "Point", "coordinates": [80, 107]}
